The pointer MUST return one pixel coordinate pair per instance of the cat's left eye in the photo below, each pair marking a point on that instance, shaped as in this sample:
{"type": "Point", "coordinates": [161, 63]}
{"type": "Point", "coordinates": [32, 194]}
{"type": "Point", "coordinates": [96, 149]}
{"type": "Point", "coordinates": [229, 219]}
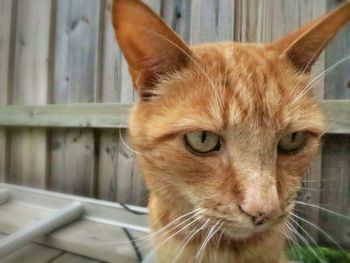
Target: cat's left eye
{"type": "Point", "coordinates": [202, 142]}
{"type": "Point", "coordinates": [292, 142]}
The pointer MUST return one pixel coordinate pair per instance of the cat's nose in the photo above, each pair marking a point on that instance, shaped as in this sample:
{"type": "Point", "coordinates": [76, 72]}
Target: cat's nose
{"type": "Point", "coordinates": [261, 207]}
{"type": "Point", "coordinates": [257, 217]}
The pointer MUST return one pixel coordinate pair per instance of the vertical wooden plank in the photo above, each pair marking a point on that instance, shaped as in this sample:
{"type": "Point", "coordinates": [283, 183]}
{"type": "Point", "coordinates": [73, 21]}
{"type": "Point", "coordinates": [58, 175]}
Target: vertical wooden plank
{"type": "Point", "coordinates": [110, 89]}
{"type": "Point", "coordinates": [338, 80]}
{"type": "Point", "coordinates": [111, 58]}
{"type": "Point", "coordinates": [30, 86]}
{"type": "Point", "coordinates": [253, 20]}
{"type": "Point", "coordinates": [116, 161]}
{"type": "Point", "coordinates": [336, 189]}
{"type": "Point", "coordinates": [76, 79]}
{"type": "Point", "coordinates": [212, 21]}
{"type": "Point", "coordinates": [177, 14]}
{"type": "Point", "coordinates": [265, 21]}
{"type": "Point", "coordinates": [336, 150]}
{"type": "Point", "coordinates": [5, 41]}
{"type": "Point", "coordinates": [336, 186]}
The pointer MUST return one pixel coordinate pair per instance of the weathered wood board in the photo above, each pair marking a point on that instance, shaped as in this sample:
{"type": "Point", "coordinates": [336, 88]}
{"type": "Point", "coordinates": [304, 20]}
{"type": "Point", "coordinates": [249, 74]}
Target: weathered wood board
{"type": "Point", "coordinates": [102, 241]}
{"type": "Point", "coordinates": [76, 77]}
{"type": "Point", "coordinates": [212, 21]}
{"type": "Point", "coordinates": [6, 7]}
{"type": "Point", "coordinates": [32, 253]}
{"type": "Point", "coordinates": [116, 115]}
{"type": "Point", "coordinates": [71, 258]}
{"type": "Point", "coordinates": [336, 150]}
{"type": "Point", "coordinates": [28, 152]}
{"type": "Point", "coordinates": [335, 189]}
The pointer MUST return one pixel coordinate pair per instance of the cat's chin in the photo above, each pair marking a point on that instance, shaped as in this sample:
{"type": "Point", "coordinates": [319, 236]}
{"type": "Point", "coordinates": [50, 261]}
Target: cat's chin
{"type": "Point", "coordinates": [244, 233]}
{"type": "Point", "coordinates": [239, 235]}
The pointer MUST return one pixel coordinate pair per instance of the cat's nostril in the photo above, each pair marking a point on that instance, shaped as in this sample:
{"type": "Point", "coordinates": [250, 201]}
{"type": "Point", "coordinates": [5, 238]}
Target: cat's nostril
{"type": "Point", "coordinates": [257, 219]}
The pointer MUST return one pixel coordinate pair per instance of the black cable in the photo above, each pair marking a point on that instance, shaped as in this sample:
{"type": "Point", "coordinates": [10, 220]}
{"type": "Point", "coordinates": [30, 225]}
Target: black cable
{"type": "Point", "coordinates": [134, 245]}
{"type": "Point", "coordinates": [132, 211]}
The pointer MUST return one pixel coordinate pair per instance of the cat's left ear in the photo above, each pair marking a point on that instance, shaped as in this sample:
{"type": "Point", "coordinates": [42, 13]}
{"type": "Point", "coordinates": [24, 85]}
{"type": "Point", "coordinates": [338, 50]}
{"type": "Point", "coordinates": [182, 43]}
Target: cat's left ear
{"type": "Point", "coordinates": [304, 46]}
{"type": "Point", "coordinates": [151, 48]}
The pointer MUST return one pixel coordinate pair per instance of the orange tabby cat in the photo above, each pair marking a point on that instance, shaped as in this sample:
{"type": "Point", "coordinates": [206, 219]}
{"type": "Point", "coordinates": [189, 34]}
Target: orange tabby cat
{"type": "Point", "coordinates": [224, 133]}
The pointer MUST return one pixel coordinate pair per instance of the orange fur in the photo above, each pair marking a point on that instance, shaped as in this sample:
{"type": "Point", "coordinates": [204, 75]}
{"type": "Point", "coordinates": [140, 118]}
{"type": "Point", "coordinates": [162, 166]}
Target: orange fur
{"type": "Point", "coordinates": [249, 94]}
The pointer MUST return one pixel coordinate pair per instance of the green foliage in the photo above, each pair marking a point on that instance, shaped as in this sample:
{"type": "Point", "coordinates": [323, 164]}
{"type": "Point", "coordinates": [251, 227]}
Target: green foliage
{"type": "Point", "coordinates": [306, 255]}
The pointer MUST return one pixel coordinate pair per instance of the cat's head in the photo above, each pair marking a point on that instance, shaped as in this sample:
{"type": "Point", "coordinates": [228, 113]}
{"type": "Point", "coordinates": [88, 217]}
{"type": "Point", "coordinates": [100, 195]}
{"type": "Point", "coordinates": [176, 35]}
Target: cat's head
{"type": "Point", "coordinates": [228, 127]}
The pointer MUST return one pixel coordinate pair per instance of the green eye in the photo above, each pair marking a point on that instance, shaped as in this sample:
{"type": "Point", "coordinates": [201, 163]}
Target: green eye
{"type": "Point", "coordinates": [292, 142]}
{"type": "Point", "coordinates": [202, 142]}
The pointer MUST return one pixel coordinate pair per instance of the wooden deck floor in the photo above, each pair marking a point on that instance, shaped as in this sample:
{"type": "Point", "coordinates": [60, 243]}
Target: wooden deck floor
{"type": "Point", "coordinates": [81, 241]}
{"type": "Point", "coordinates": [105, 232]}
{"type": "Point", "coordinates": [44, 254]}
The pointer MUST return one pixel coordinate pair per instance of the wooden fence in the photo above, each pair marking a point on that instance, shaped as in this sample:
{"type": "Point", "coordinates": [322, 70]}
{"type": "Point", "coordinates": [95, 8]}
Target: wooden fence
{"type": "Point", "coordinates": [64, 52]}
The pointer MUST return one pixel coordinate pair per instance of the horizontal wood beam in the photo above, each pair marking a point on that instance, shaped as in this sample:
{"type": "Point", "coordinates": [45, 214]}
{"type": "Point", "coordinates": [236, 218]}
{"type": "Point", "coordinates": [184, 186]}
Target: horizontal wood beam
{"type": "Point", "coordinates": [94, 115]}
{"type": "Point", "coordinates": [115, 115]}
{"type": "Point", "coordinates": [338, 116]}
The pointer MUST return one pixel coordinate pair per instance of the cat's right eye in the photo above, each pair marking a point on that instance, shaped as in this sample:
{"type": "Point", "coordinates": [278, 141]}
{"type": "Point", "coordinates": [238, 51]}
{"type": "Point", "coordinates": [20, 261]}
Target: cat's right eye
{"type": "Point", "coordinates": [292, 142]}
{"type": "Point", "coordinates": [202, 142]}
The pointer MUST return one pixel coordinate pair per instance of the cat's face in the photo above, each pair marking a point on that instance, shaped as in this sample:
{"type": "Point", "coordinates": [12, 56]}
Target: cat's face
{"type": "Point", "coordinates": [229, 128]}
{"type": "Point", "coordinates": [241, 102]}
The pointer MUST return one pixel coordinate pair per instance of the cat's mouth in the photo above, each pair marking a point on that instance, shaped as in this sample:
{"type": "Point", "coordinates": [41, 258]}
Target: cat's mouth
{"type": "Point", "coordinates": [240, 227]}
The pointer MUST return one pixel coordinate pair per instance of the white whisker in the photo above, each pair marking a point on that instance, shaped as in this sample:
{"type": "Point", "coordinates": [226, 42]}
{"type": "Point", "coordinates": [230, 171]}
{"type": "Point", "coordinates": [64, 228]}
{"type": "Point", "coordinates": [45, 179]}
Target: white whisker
{"type": "Point", "coordinates": [294, 241]}
{"type": "Point", "coordinates": [148, 257]}
{"type": "Point", "coordinates": [149, 236]}
{"type": "Point", "coordinates": [306, 243]}
{"type": "Point", "coordinates": [211, 233]}
{"type": "Point", "coordinates": [314, 80]}
{"type": "Point", "coordinates": [323, 232]}
{"type": "Point", "coordinates": [312, 240]}
{"type": "Point", "coordinates": [125, 144]}
{"type": "Point", "coordinates": [189, 239]}
{"type": "Point", "coordinates": [324, 209]}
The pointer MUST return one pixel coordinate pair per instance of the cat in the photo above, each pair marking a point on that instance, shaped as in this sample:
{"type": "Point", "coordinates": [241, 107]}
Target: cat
{"type": "Point", "coordinates": [223, 133]}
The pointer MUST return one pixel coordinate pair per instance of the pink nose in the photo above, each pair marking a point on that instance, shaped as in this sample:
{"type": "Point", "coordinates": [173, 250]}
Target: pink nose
{"type": "Point", "coordinates": [261, 208]}
{"type": "Point", "coordinates": [258, 217]}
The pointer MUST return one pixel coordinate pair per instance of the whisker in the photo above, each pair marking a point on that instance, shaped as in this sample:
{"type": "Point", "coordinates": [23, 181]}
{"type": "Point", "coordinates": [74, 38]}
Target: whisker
{"type": "Point", "coordinates": [189, 239]}
{"type": "Point", "coordinates": [294, 240]}
{"type": "Point", "coordinates": [149, 236]}
{"type": "Point", "coordinates": [314, 80]}
{"type": "Point", "coordinates": [323, 209]}
{"type": "Point", "coordinates": [311, 238]}
{"type": "Point", "coordinates": [307, 244]}
{"type": "Point", "coordinates": [218, 241]}
{"type": "Point", "coordinates": [317, 181]}
{"type": "Point", "coordinates": [310, 189]}
{"type": "Point", "coordinates": [160, 231]}
{"type": "Point", "coordinates": [323, 232]}
{"type": "Point", "coordinates": [148, 257]}
{"type": "Point", "coordinates": [205, 242]}
{"type": "Point", "coordinates": [126, 145]}
{"type": "Point", "coordinates": [291, 244]}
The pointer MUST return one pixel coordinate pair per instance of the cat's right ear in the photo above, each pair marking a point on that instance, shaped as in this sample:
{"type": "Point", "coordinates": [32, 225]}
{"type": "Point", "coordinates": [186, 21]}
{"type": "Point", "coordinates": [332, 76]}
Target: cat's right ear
{"type": "Point", "coordinates": [304, 46]}
{"type": "Point", "coordinates": [151, 48]}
